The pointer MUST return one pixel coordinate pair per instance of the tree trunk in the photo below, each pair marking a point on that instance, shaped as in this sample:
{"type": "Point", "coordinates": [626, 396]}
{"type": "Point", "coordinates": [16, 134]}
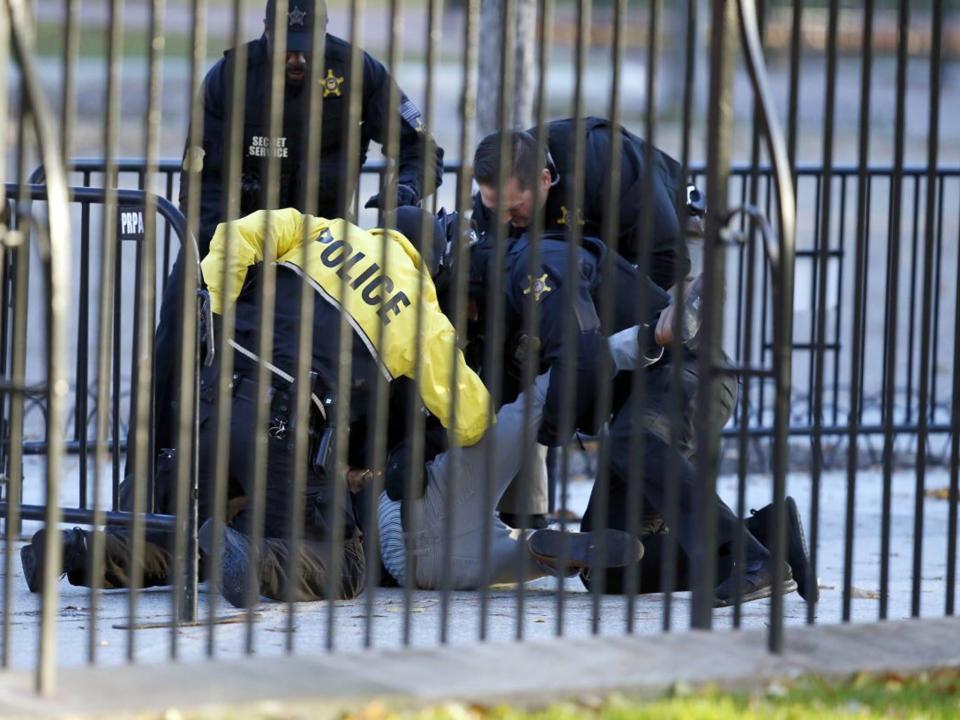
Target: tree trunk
{"type": "Point", "coordinates": [492, 30]}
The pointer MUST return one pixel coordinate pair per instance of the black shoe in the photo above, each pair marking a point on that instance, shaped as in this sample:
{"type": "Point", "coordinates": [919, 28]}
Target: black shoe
{"type": "Point", "coordinates": [72, 557]}
{"type": "Point", "coordinates": [582, 549]}
{"type": "Point", "coordinates": [756, 584]}
{"type": "Point", "coordinates": [760, 525]}
{"type": "Point", "coordinates": [536, 521]}
{"type": "Point", "coordinates": [234, 563]}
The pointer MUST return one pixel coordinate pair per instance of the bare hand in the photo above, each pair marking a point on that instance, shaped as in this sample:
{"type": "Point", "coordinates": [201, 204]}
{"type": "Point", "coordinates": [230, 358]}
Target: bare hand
{"type": "Point", "coordinates": [358, 479]}
{"type": "Point", "coordinates": [664, 331]}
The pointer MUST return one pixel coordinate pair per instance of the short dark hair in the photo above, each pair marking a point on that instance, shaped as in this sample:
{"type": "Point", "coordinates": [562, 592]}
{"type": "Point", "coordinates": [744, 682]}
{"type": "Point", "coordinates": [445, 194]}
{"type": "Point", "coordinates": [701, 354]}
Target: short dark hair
{"type": "Point", "coordinates": [525, 161]}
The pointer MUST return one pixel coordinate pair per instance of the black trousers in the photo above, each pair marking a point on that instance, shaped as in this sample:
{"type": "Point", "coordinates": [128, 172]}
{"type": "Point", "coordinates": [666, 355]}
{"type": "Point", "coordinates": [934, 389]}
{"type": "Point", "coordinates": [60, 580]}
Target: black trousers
{"type": "Point", "coordinates": [318, 545]}
{"type": "Point", "coordinates": [167, 348]}
{"type": "Point", "coordinates": [659, 449]}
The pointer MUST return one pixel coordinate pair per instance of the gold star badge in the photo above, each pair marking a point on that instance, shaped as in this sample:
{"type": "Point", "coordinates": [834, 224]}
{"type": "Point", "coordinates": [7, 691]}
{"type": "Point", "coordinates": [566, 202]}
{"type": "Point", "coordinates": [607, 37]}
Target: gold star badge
{"type": "Point", "coordinates": [538, 286]}
{"type": "Point", "coordinates": [565, 214]}
{"type": "Point", "coordinates": [331, 84]}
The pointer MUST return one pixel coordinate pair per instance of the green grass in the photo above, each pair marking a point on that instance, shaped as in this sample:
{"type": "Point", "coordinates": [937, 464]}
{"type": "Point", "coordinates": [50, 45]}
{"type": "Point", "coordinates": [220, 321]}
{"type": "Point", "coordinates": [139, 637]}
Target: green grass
{"type": "Point", "coordinates": [934, 696]}
{"type": "Point", "coordinates": [93, 42]}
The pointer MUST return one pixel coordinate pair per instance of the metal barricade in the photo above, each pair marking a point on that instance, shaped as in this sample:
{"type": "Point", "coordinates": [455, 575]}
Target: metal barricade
{"type": "Point", "coordinates": [749, 183]}
{"type": "Point", "coordinates": [131, 204]}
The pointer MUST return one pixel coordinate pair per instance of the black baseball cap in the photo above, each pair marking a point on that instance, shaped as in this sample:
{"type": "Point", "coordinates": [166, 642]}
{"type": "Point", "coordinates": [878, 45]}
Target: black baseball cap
{"type": "Point", "coordinates": [300, 22]}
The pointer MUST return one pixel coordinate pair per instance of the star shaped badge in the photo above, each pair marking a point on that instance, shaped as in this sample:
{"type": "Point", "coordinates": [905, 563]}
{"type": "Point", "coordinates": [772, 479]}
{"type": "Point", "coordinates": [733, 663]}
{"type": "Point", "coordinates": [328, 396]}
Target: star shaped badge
{"type": "Point", "coordinates": [331, 84]}
{"type": "Point", "coordinates": [538, 286]}
{"type": "Point", "coordinates": [565, 215]}
{"type": "Point", "coordinates": [297, 16]}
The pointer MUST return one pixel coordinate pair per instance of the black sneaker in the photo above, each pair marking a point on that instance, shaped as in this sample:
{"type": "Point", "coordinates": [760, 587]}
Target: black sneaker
{"type": "Point", "coordinates": [760, 525]}
{"type": "Point", "coordinates": [72, 557]}
{"type": "Point", "coordinates": [756, 584]}
{"type": "Point", "coordinates": [582, 549]}
{"type": "Point", "coordinates": [234, 562]}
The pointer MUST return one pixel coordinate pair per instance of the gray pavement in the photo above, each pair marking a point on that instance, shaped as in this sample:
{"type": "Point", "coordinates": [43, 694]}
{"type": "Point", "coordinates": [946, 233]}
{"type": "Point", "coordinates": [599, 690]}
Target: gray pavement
{"type": "Point", "coordinates": [539, 617]}
{"type": "Point", "coordinates": [531, 674]}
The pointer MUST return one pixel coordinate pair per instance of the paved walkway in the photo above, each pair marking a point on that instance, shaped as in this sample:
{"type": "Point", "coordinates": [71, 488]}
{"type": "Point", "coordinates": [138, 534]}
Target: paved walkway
{"type": "Point", "coordinates": [540, 613]}
{"type": "Point", "coordinates": [534, 673]}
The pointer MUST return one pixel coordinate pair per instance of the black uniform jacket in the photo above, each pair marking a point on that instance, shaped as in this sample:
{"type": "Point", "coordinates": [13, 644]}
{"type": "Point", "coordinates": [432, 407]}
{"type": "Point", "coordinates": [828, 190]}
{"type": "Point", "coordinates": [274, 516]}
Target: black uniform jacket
{"type": "Point", "coordinates": [290, 145]}
{"type": "Point", "coordinates": [667, 245]}
{"type": "Point", "coordinates": [544, 285]}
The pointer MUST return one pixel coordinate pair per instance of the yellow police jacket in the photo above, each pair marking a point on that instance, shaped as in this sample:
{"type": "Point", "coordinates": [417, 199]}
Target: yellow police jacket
{"type": "Point", "coordinates": [379, 289]}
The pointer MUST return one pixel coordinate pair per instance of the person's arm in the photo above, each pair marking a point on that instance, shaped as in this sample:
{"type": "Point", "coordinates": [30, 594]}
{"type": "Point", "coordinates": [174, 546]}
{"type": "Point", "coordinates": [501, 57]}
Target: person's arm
{"type": "Point", "coordinates": [589, 347]}
{"type": "Point", "coordinates": [440, 352]}
{"type": "Point", "coordinates": [413, 134]}
{"type": "Point", "coordinates": [208, 157]}
{"type": "Point", "coordinates": [282, 228]}
{"type": "Point", "coordinates": [667, 248]}
{"type": "Point", "coordinates": [690, 320]}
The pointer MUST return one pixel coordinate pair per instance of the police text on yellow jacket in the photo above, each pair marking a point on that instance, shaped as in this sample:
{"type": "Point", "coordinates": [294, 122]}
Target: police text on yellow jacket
{"type": "Point", "coordinates": [338, 252]}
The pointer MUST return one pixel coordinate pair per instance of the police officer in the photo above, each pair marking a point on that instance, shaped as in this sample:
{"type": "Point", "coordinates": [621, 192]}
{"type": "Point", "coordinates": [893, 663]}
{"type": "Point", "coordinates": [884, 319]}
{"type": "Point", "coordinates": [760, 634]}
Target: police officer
{"type": "Point", "coordinates": [342, 261]}
{"type": "Point", "coordinates": [288, 148]}
{"type": "Point", "coordinates": [544, 183]}
{"type": "Point", "coordinates": [383, 287]}
{"type": "Point", "coordinates": [544, 285]}
{"type": "Point", "coordinates": [539, 182]}
{"type": "Point", "coordinates": [388, 300]}
{"type": "Point", "coordinates": [334, 84]}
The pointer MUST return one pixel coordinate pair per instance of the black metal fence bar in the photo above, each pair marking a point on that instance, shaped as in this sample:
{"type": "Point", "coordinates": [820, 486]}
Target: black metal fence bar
{"type": "Point", "coordinates": [637, 476]}
{"type": "Point", "coordinates": [892, 283]}
{"type": "Point", "coordinates": [223, 417]}
{"type": "Point", "coordinates": [611, 232]}
{"type": "Point", "coordinates": [387, 185]}
{"type": "Point", "coordinates": [758, 424]}
{"type": "Point", "coordinates": [427, 252]}
{"type": "Point", "coordinates": [781, 255]}
{"type": "Point", "coordinates": [54, 251]}
{"type": "Point", "coordinates": [821, 288]}
{"type": "Point", "coordinates": [802, 381]}
{"type": "Point", "coordinates": [719, 122]}
{"type": "Point", "coordinates": [108, 340]}
{"type": "Point", "coordinates": [933, 140]}
{"type": "Point", "coordinates": [668, 565]}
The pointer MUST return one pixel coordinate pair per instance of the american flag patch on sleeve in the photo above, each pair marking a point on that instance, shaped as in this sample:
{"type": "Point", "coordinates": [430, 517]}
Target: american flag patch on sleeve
{"type": "Point", "coordinates": [410, 113]}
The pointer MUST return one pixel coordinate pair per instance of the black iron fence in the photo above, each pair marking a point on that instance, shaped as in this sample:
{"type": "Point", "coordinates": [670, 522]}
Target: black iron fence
{"type": "Point", "coordinates": [275, 440]}
{"type": "Point", "coordinates": [839, 298]}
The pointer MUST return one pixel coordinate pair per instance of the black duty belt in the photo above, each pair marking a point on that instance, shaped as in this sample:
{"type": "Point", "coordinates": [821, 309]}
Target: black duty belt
{"type": "Point", "coordinates": [281, 375]}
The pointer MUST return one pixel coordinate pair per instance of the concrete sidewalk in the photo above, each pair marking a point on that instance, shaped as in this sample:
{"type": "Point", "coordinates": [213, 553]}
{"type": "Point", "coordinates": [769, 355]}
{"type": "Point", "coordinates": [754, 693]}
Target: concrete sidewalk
{"type": "Point", "coordinates": [531, 673]}
{"type": "Point", "coordinates": [540, 613]}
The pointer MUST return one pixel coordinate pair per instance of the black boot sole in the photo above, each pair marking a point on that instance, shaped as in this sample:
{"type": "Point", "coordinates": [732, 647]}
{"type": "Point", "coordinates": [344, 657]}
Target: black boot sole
{"type": "Point", "coordinates": [759, 594]}
{"type": "Point", "coordinates": [798, 556]}
{"type": "Point", "coordinates": [234, 563]}
{"type": "Point", "coordinates": [582, 550]}
{"type": "Point", "coordinates": [28, 559]}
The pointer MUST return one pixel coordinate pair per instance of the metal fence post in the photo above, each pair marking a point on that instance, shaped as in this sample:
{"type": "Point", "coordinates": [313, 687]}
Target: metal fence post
{"type": "Point", "coordinates": [55, 253]}
{"type": "Point", "coordinates": [719, 122]}
{"type": "Point", "coordinates": [782, 261]}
